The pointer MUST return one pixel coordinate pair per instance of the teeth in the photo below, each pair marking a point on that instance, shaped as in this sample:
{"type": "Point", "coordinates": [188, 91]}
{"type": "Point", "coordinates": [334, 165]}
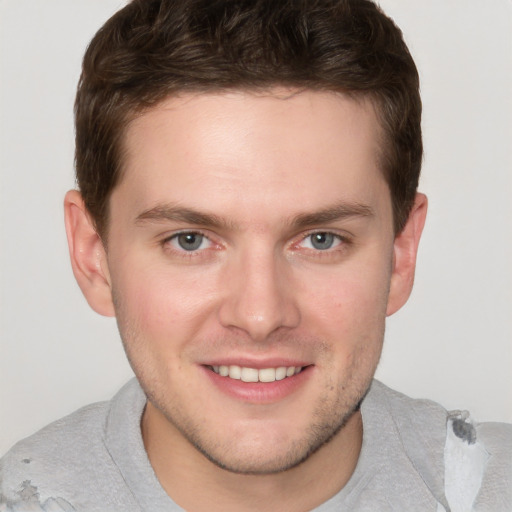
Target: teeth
{"type": "Point", "coordinates": [235, 372]}
{"type": "Point", "coordinates": [250, 375]}
{"type": "Point", "coordinates": [267, 375]}
{"type": "Point", "coordinates": [254, 375]}
{"type": "Point", "coordinates": [280, 373]}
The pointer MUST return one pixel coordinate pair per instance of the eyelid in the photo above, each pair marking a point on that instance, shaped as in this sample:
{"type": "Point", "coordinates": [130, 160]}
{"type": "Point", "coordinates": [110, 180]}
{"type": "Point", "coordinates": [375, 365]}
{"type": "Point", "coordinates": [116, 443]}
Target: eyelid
{"type": "Point", "coordinates": [185, 231]}
{"type": "Point", "coordinates": [167, 240]}
{"type": "Point", "coordinates": [344, 244]}
{"type": "Point", "coordinates": [175, 241]}
{"type": "Point", "coordinates": [337, 240]}
{"type": "Point", "coordinates": [343, 237]}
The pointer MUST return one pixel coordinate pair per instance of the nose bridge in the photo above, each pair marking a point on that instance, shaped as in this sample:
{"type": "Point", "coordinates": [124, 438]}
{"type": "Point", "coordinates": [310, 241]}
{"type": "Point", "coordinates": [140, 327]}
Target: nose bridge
{"type": "Point", "coordinates": [259, 299]}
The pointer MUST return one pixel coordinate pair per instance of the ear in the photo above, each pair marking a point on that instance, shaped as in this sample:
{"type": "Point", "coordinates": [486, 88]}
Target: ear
{"type": "Point", "coordinates": [405, 249]}
{"type": "Point", "coordinates": [88, 256]}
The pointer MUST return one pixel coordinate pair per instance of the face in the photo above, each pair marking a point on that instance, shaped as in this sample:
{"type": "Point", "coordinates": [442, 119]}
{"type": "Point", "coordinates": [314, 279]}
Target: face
{"type": "Point", "coordinates": [250, 255]}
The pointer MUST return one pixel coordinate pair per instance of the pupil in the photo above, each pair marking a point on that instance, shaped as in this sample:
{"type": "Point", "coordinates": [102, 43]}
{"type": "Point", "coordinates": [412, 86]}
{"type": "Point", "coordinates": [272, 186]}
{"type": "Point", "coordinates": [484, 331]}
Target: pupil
{"type": "Point", "coordinates": [190, 241]}
{"type": "Point", "coordinates": [322, 241]}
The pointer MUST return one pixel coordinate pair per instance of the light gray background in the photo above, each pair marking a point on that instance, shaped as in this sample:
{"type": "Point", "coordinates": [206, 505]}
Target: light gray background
{"type": "Point", "coordinates": [451, 343]}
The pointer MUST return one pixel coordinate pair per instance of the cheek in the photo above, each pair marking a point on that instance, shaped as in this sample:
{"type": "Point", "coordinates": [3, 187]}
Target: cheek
{"type": "Point", "coordinates": [351, 299]}
{"type": "Point", "coordinates": [160, 303]}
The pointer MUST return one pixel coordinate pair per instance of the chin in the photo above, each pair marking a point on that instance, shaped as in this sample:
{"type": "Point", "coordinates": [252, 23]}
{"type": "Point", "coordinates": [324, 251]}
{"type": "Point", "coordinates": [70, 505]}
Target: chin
{"type": "Point", "coordinates": [269, 449]}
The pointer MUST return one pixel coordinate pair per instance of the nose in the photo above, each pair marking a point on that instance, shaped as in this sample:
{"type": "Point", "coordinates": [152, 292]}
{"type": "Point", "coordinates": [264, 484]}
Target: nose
{"type": "Point", "coordinates": [259, 298]}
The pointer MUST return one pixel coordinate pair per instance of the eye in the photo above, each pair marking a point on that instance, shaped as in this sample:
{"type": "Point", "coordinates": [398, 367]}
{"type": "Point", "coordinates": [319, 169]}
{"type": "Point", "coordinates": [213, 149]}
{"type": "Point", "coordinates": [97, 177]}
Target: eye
{"type": "Point", "coordinates": [321, 241]}
{"type": "Point", "coordinates": [189, 241]}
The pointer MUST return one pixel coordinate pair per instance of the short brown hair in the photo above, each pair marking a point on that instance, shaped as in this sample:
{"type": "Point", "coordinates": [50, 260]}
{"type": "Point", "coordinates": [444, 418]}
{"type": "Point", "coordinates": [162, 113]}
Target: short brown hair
{"type": "Point", "coordinates": [151, 49]}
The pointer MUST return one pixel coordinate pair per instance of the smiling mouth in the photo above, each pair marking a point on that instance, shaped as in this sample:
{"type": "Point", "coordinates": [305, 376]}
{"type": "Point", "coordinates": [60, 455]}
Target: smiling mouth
{"type": "Point", "coordinates": [256, 375]}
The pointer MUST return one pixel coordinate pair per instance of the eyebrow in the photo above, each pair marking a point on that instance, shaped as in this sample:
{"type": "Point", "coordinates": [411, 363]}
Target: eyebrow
{"type": "Point", "coordinates": [332, 214]}
{"type": "Point", "coordinates": [173, 213]}
{"type": "Point", "coordinates": [169, 212]}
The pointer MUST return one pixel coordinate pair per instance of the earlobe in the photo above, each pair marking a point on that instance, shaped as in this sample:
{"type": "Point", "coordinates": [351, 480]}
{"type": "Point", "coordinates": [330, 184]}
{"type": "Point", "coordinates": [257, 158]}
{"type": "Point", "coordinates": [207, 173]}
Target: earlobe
{"type": "Point", "coordinates": [405, 249]}
{"type": "Point", "coordinates": [88, 256]}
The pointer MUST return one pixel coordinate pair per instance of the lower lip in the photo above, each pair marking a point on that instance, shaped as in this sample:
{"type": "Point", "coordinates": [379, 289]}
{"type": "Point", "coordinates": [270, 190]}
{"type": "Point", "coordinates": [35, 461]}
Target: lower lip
{"type": "Point", "coordinates": [259, 392]}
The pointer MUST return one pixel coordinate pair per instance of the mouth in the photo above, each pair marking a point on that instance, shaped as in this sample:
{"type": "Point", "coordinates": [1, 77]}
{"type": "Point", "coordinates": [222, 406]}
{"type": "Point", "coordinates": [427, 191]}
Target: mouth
{"type": "Point", "coordinates": [246, 374]}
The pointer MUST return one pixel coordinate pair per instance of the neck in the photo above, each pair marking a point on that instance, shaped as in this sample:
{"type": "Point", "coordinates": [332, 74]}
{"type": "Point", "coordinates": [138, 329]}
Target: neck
{"type": "Point", "coordinates": [212, 488]}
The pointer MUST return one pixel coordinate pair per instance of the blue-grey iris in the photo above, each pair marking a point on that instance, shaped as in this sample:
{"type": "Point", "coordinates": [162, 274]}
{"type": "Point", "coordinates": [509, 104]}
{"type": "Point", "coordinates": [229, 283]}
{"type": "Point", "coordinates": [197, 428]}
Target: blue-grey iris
{"type": "Point", "coordinates": [322, 241]}
{"type": "Point", "coordinates": [190, 241]}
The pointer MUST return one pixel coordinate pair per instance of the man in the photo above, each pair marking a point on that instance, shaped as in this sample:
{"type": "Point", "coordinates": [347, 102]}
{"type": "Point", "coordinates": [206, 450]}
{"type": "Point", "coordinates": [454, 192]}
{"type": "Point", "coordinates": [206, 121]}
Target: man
{"type": "Point", "coordinates": [247, 210]}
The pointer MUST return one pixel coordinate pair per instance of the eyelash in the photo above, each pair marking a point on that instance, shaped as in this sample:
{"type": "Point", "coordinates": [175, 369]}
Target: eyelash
{"type": "Point", "coordinates": [166, 242]}
{"type": "Point", "coordinates": [335, 237]}
{"type": "Point", "coordinates": [343, 242]}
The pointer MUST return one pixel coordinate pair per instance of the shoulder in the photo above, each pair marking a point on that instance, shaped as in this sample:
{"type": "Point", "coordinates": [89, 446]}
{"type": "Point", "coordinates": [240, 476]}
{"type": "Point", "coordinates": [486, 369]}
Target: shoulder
{"type": "Point", "coordinates": [64, 465]}
{"type": "Point", "coordinates": [407, 413]}
{"type": "Point", "coordinates": [46, 461]}
{"type": "Point", "coordinates": [496, 489]}
{"type": "Point", "coordinates": [426, 415]}
{"type": "Point", "coordinates": [475, 458]}
{"type": "Point", "coordinates": [63, 433]}
{"type": "Point", "coordinates": [496, 436]}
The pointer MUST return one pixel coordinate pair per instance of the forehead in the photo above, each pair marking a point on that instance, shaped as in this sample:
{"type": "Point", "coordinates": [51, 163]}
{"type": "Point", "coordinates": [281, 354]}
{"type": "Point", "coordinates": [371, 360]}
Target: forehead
{"type": "Point", "coordinates": [266, 149]}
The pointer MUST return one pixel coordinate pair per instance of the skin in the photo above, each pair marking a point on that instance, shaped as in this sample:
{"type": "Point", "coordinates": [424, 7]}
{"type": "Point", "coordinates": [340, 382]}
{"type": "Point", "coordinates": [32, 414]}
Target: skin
{"type": "Point", "coordinates": [257, 170]}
